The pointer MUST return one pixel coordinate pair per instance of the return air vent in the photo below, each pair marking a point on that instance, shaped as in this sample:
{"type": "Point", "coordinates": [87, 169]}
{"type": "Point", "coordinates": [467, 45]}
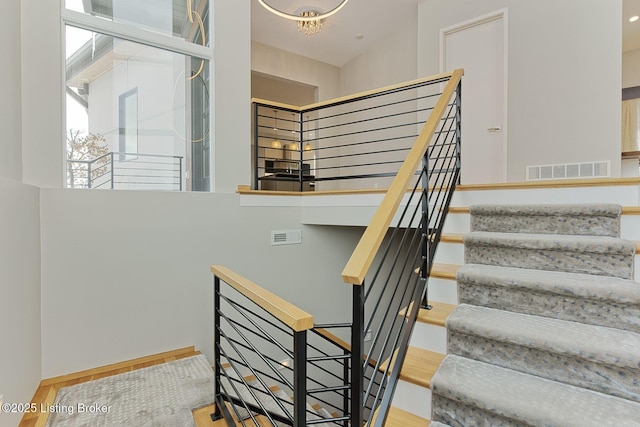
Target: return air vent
{"type": "Point", "coordinates": [286, 237]}
{"type": "Point", "coordinates": [569, 171]}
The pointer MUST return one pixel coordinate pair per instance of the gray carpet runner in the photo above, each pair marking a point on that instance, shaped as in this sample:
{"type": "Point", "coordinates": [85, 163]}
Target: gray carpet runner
{"type": "Point", "coordinates": [548, 329]}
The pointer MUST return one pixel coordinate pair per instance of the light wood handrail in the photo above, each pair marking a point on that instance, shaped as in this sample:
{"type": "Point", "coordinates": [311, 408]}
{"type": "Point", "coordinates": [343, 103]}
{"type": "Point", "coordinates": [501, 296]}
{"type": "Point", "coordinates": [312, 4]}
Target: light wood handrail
{"type": "Point", "coordinates": [362, 256]}
{"type": "Point", "coordinates": [292, 316]}
{"type": "Point", "coordinates": [352, 96]}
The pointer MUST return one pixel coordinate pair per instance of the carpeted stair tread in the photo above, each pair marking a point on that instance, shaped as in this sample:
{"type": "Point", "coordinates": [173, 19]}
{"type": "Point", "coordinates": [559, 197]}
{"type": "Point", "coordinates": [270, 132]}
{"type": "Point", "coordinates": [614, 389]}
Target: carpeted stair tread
{"type": "Point", "coordinates": [589, 342]}
{"type": "Point", "coordinates": [583, 219]}
{"type": "Point", "coordinates": [559, 242]}
{"type": "Point", "coordinates": [467, 392]}
{"type": "Point", "coordinates": [577, 254]}
{"type": "Point", "coordinates": [586, 298]}
{"type": "Point", "coordinates": [601, 288]}
{"type": "Point", "coordinates": [594, 357]}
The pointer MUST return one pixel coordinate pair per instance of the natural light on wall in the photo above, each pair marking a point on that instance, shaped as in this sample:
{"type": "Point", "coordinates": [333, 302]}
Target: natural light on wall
{"type": "Point", "coordinates": [137, 100]}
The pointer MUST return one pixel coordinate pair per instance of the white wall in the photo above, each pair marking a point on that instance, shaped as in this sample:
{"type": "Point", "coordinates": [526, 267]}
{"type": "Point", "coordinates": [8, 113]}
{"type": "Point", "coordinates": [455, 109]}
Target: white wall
{"type": "Point", "coordinates": [564, 76]}
{"type": "Point", "coordinates": [393, 60]}
{"type": "Point", "coordinates": [126, 274]}
{"type": "Point", "coordinates": [631, 68]}
{"type": "Point", "coordinates": [10, 107]}
{"type": "Point", "coordinates": [42, 92]}
{"type": "Point", "coordinates": [275, 62]}
{"type": "Point", "coordinates": [232, 95]}
{"type": "Point", "coordinates": [20, 358]}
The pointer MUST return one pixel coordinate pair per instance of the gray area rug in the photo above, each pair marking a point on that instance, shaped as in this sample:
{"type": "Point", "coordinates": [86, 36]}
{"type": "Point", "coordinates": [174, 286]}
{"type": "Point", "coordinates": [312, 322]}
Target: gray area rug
{"type": "Point", "coordinates": [160, 395]}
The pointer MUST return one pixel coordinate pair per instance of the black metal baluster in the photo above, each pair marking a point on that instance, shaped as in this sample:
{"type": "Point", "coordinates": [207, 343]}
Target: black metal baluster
{"type": "Point", "coordinates": [357, 355]}
{"type": "Point", "coordinates": [300, 379]}
{"type": "Point", "coordinates": [216, 344]}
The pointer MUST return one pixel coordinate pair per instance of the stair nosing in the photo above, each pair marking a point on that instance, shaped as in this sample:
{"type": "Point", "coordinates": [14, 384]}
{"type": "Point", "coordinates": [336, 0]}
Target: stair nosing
{"type": "Point", "coordinates": [413, 361]}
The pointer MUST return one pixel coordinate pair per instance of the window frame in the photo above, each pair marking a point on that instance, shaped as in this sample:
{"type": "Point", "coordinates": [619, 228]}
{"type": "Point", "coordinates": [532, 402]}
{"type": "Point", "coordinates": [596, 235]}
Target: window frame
{"type": "Point", "coordinates": [130, 32]}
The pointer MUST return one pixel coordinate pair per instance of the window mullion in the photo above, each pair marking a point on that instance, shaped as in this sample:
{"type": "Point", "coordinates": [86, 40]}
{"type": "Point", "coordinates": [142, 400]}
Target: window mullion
{"type": "Point", "coordinates": [137, 35]}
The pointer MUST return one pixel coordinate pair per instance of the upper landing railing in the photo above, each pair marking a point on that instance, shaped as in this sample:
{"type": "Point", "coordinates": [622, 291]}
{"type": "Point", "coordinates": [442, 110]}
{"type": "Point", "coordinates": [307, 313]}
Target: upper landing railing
{"type": "Point", "coordinates": [354, 142]}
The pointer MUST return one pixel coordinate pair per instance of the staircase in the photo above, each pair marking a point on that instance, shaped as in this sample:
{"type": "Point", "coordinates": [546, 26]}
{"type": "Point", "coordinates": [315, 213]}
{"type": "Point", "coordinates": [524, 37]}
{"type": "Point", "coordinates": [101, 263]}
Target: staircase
{"type": "Point", "coordinates": [548, 328]}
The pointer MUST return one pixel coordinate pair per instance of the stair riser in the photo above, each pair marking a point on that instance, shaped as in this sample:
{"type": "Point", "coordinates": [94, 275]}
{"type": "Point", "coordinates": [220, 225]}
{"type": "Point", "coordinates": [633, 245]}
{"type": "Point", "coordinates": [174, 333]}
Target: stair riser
{"type": "Point", "coordinates": [429, 337]}
{"type": "Point", "coordinates": [449, 253]}
{"type": "Point", "coordinates": [603, 264]}
{"type": "Point", "coordinates": [443, 290]}
{"type": "Point", "coordinates": [551, 224]}
{"type": "Point", "coordinates": [456, 414]}
{"type": "Point", "coordinates": [519, 300]}
{"type": "Point", "coordinates": [600, 377]}
{"type": "Point", "coordinates": [413, 398]}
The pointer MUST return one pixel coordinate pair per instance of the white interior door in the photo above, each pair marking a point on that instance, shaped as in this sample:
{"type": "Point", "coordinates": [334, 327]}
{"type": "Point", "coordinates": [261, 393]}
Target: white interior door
{"type": "Point", "coordinates": [479, 48]}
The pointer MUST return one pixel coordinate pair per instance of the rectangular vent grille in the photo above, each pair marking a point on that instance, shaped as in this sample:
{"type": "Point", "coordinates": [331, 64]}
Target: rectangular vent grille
{"type": "Point", "coordinates": [584, 170]}
{"type": "Point", "coordinates": [286, 237]}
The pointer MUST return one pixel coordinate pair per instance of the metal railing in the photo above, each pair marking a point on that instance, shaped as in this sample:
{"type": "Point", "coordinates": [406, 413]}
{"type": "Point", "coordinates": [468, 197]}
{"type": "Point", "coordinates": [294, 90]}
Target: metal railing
{"type": "Point", "coordinates": [354, 142]}
{"type": "Point", "coordinates": [388, 269]}
{"type": "Point", "coordinates": [268, 369]}
{"type": "Point", "coordinates": [131, 171]}
{"type": "Point", "coordinates": [390, 266]}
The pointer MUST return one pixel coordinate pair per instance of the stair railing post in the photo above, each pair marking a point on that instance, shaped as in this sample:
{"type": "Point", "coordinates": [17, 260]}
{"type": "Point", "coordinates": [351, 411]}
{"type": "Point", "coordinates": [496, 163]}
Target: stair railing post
{"type": "Point", "coordinates": [216, 349]}
{"type": "Point", "coordinates": [357, 356]}
{"type": "Point", "coordinates": [459, 129]}
{"type": "Point", "coordinates": [301, 149]}
{"type": "Point", "coordinates": [426, 232]}
{"type": "Point", "coordinates": [345, 397]}
{"type": "Point", "coordinates": [256, 149]}
{"type": "Point", "coordinates": [300, 379]}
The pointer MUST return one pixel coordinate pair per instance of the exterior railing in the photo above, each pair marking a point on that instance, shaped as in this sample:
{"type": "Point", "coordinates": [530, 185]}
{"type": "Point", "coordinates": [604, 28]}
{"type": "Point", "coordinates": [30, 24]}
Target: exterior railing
{"type": "Point", "coordinates": [353, 142]}
{"type": "Point", "coordinates": [388, 271]}
{"type": "Point", "coordinates": [127, 171]}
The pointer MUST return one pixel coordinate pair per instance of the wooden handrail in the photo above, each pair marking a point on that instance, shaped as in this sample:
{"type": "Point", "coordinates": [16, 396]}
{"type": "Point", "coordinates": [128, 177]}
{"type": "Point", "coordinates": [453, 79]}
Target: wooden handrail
{"type": "Point", "coordinates": [362, 256]}
{"type": "Point", "coordinates": [351, 97]}
{"type": "Point", "coordinates": [292, 316]}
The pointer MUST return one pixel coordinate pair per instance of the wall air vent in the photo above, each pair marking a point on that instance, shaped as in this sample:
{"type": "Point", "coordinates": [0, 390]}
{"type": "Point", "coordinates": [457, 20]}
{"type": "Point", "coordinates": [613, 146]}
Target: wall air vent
{"type": "Point", "coordinates": [286, 237]}
{"type": "Point", "coordinates": [584, 170]}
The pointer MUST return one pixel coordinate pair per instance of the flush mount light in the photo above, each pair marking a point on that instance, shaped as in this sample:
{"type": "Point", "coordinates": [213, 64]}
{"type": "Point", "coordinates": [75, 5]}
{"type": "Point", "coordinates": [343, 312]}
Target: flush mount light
{"type": "Point", "coordinates": [634, 18]}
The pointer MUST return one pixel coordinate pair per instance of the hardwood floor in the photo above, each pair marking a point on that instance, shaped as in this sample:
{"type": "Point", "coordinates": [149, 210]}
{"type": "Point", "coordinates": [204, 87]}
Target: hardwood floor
{"type": "Point", "coordinates": [46, 393]}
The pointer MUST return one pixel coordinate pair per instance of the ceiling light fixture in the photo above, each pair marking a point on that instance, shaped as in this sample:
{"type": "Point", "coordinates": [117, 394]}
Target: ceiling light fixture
{"type": "Point", "coordinates": [299, 18]}
{"type": "Point", "coordinates": [634, 18]}
{"type": "Point", "coordinates": [310, 28]}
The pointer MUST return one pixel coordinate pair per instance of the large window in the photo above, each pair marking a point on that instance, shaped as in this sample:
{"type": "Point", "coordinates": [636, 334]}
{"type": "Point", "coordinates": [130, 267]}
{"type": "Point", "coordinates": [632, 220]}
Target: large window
{"type": "Point", "coordinates": [138, 113]}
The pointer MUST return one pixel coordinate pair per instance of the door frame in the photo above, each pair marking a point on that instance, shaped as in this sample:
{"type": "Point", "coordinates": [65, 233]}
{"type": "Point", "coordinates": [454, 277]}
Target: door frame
{"type": "Point", "coordinates": [471, 23]}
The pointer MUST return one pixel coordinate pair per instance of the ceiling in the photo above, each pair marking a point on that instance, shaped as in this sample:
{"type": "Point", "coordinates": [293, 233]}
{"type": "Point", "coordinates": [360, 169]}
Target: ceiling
{"type": "Point", "coordinates": [336, 44]}
{"type": "Point", "coordinates": [630, 30]}
{"type": "Point", "coordinates": [372, 19]}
